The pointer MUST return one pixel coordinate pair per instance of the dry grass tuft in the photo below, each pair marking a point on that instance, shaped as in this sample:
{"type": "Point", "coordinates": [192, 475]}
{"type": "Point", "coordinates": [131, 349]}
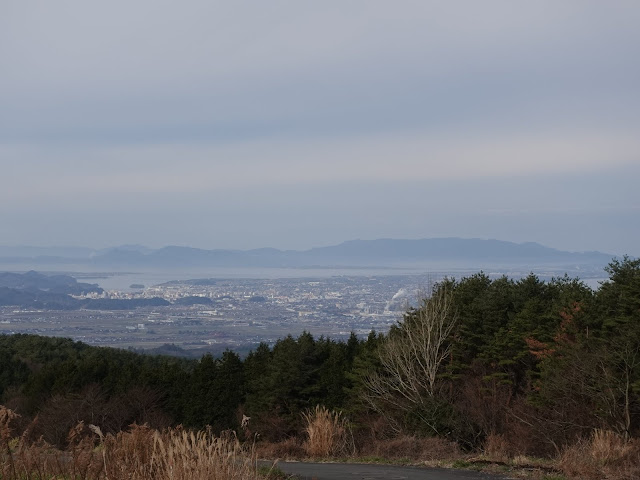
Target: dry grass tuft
{"type": "Point", "coordinates": [605, 455]}
{"type": "Point", "coordinates": [186, 455]}
{"type": "Point", "coordinates": [141, 453]}
{"type": "Point", "coordinates": [7, 417]}
{"type": "Point", "coordinates": [497, 448]}
{"type": "Point", "coordinates": [328, 433]}
{"type": "Point", "coordinates": [131, 453]}
{"type": "Point", "coordinates": [607, 446]}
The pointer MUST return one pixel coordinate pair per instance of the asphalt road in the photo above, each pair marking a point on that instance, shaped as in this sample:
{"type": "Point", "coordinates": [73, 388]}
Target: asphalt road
{"type": "Point", "coordinates": [344, 471]}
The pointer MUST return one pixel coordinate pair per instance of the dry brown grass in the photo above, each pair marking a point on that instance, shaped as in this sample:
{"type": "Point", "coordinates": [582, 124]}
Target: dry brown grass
{"type": "Point", "coordinates": [289, 449]}
{"type": "Point", "coordinates": [138, 454]}
{"type": "Point", "coordinates": [606, 455]}
{"type": "Point", "coordinates": [412, 448]}
{"type": "Point", "coordinates": [607, 446]}
{"type": "Point", "coordinates": [497, 448]}
{"type": "Point", "coordinates": [7, 417]}
{"type": "Point", "coordinates": [328, 433]}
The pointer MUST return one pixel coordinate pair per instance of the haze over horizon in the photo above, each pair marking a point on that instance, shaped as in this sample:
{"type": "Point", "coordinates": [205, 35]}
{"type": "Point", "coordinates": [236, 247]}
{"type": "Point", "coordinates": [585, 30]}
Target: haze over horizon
{"type": "Point", "coordinates": [296, 125]}
{"type": "Point", "coordinates": [146, 249]}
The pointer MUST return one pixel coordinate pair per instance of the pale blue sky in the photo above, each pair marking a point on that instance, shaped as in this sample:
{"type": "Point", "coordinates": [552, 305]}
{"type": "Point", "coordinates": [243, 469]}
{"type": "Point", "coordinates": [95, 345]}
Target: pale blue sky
{"type": "Point", "coordinates": [296, 124]}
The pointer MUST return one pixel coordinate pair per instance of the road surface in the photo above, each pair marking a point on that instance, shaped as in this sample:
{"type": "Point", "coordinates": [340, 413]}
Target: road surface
{"type": "Point", "coordinates": [350, 471]}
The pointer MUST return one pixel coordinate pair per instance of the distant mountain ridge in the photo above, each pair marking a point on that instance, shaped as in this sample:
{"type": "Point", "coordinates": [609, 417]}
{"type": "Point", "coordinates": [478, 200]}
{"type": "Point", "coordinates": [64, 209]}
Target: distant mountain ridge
{"type": "Point", "coordinates": [380, 252]}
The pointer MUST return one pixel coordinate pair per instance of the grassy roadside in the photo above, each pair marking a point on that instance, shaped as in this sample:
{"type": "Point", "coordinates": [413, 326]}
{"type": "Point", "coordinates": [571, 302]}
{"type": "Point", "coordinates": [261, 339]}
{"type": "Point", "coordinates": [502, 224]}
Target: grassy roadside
{"type": "Point", "coordinates": [605, 455]}
{"type": "Point", "coordinates": [143, 453]}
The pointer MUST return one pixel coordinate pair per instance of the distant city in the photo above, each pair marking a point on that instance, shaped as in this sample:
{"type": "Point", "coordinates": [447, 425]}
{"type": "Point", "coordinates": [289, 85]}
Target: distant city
{"type": "Point", "coordinates": [212, 315]}
{"type": "Point", "coordinates": [141, 309]}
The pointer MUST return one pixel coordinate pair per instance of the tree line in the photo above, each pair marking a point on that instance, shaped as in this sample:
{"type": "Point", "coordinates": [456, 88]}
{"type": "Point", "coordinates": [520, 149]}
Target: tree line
{"type": "Point", "coordinates": [535, 363]}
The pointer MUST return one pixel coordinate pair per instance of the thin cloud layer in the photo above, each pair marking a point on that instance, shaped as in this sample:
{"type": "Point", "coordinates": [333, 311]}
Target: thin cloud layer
{"type": "Point", "coordinates": [114, 104]}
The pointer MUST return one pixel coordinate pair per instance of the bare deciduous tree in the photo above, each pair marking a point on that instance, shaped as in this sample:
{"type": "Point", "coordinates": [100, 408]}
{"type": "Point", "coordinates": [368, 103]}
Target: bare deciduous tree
{"type": "Point", "coordinates": [411, 357]}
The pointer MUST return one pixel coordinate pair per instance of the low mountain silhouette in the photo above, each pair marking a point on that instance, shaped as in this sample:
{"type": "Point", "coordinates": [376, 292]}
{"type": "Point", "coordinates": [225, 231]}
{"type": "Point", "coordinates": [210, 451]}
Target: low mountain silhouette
{"type": "Point", "coordinates": [381, 252]}
{"type": "Point", "coordinates": [358, 253]}
{"type": "Point", "coordinates": [458, 249]}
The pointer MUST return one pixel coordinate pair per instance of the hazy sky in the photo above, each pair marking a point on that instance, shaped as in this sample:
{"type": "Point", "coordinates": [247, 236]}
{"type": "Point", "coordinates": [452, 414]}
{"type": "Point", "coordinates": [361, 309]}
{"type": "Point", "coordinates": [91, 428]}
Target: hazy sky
{"type": "Point", "coordinates": [294, 124]}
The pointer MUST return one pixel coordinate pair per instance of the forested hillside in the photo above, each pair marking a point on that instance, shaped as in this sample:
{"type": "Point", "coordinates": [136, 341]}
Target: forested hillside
{"type": "Point", "coordinates": [533, 364]}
